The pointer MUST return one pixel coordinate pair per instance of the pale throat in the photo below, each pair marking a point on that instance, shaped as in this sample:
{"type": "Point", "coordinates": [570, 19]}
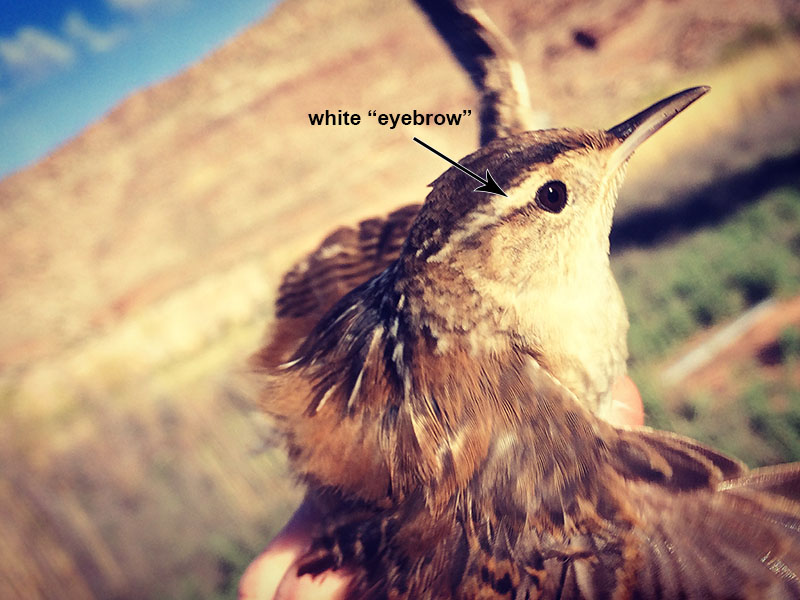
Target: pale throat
{"type": "Point", "coordinates": [573, 326]}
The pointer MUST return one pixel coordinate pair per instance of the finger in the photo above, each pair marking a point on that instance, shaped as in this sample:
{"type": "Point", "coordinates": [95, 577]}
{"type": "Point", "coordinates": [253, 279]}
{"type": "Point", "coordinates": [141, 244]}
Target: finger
{"type": "Point", "coordinates": [262, 578]}
{"type": "Point", "coordinates": [273, 575]}
{"type": "Point", "coordinates": [626, 408]}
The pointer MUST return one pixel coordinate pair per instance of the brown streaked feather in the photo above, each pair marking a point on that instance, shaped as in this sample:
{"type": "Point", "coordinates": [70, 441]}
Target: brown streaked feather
{"type": "Point", "coordinates": [434, 432]}
{"type": "Point", "coordinates": [780, 480]}
{"type": "Point", "coordinates": [716, 544]}
{"type": "Point", "coordinates": [672, 460]}
{"type": "Point", "coordinates": [345, 259]}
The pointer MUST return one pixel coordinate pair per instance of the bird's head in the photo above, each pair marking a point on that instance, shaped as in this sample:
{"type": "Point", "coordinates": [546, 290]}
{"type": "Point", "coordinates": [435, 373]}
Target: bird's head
{"type": "Point", "coordinates": [533, 263]}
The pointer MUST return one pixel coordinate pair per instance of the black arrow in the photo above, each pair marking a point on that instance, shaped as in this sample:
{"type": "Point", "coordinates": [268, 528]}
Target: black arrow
{"type": "Point", "coordinates": [489, 185]}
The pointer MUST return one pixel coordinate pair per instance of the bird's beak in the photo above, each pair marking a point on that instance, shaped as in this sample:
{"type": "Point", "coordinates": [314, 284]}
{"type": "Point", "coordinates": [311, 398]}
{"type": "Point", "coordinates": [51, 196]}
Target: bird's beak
{"type": "Point", "coordinates": [638, 128]}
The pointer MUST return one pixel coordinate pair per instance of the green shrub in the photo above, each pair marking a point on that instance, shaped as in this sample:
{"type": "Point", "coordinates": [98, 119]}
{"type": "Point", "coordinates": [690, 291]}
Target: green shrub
{"type": "Point", "coordinates": [710, 275]}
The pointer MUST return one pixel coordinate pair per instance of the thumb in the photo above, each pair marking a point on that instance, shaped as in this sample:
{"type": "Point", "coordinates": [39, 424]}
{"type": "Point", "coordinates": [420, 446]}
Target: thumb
{"type": "Point", "coordinates": [626, 404]}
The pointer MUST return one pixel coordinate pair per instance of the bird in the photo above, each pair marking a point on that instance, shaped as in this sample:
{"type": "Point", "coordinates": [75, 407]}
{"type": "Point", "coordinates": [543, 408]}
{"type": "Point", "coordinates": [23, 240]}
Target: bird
{"type": "Point", "coordinates": [441, 379]}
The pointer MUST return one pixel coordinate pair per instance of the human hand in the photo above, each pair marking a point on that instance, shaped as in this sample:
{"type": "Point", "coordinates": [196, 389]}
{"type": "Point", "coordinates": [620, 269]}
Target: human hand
{"type": "Point", "coordinates": [273, 575]}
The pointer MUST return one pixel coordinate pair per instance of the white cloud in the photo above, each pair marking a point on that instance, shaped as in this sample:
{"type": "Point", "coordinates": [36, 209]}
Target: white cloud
{"type": "Point", "coordinates": [77, 28]}
{"type": "Point", "coordinates": [142, 5]}
{"type": "Point", "coordinates": [32, 54]}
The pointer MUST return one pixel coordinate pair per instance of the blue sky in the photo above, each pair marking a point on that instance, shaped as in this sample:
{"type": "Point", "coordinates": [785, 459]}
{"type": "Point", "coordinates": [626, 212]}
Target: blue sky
{"type": "Point", "coordinates": [64, 63]}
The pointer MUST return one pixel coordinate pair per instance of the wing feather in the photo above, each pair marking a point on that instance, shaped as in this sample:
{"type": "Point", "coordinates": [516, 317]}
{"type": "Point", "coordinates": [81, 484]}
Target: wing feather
{"type": "Point", "coordinates": [344, 260]}
{"type": "Point", "coordinates": [735, 536]}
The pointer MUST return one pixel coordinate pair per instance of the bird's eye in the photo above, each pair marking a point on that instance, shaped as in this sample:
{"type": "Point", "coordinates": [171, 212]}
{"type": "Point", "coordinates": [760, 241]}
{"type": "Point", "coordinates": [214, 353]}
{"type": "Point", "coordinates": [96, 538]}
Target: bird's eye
{"type": "Point", "coordinates": [552, 196]}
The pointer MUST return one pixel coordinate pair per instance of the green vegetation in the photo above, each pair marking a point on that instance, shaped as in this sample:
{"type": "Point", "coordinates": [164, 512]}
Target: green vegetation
{"type": "Point", "coordinates": [702, 279]}
{"type": "Point", "coordinates": [779, 428]}
{"type": "Point", "coordinates": [711, 275]}
{"type": "Point", "coordinates": [759, 424]}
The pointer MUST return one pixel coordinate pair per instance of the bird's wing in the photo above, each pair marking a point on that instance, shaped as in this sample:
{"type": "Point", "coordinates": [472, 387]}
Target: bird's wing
{"type": "Point", "coordinates": [702, 526]}
{"type": "Point", "coordinates": [346, 258]}
{"type": "Point", "coordinates": [669, 523]}
{"type": "Point", "coordinates": [733, 542]}
{"type": "Point", "coordinates": [663, 517]}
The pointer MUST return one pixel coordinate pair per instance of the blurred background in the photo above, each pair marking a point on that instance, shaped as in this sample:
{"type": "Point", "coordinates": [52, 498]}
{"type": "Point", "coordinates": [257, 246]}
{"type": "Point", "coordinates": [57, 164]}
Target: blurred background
{"type": "Point", "coordinates": [160, 174]}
